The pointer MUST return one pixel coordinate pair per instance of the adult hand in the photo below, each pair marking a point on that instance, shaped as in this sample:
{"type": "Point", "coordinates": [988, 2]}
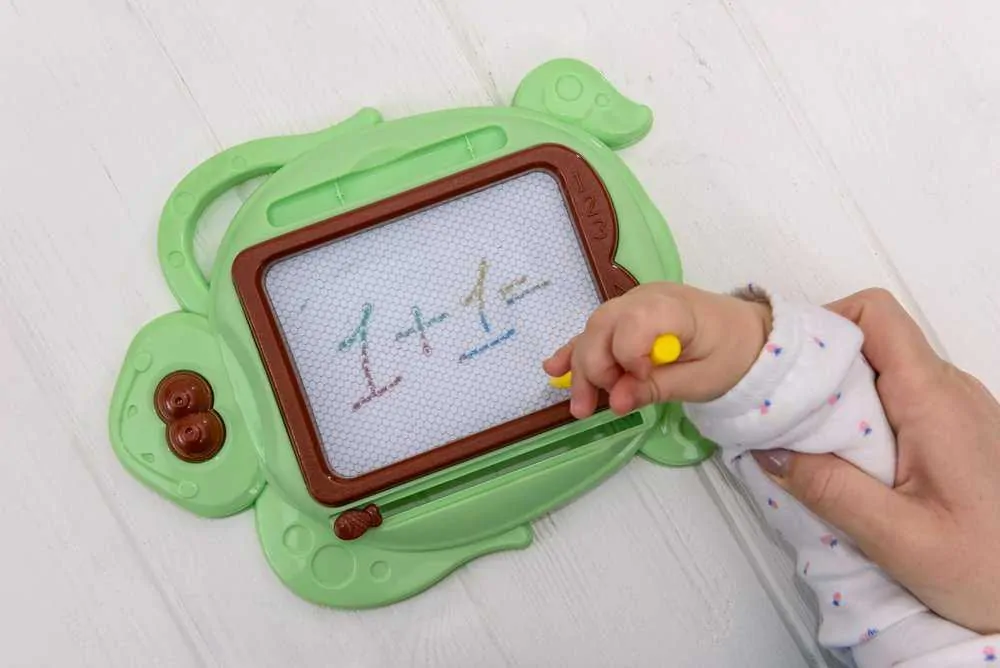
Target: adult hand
{"type": "Point", "coordinates": [937, 532]}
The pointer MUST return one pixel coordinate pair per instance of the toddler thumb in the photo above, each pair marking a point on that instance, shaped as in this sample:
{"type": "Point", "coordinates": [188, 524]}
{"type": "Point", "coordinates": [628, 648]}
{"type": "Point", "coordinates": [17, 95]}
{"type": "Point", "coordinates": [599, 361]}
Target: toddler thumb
{"type": "Point", "coordinates": [837, 491]}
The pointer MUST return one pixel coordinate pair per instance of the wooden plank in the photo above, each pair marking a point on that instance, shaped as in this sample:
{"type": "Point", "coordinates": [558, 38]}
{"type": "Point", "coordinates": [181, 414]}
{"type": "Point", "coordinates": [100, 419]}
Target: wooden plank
{"type": "Point", "coordinates": [899, 101]}
{"type": "Point", "coordinates": [737, 175]}
{"type": "Point", "coordinates": [641, 572]}
{"type": "Point", "coordinates": [74, 587]}
{"type": "Point", "coordinates": [99, 124]}
{"type": "Point", "coordinates": [112, 102]}
{"type": "Point", "coordinates": [171, 24]}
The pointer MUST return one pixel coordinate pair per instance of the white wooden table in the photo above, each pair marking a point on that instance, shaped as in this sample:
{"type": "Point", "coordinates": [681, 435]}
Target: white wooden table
{"type": "Point", "coordinates": [816, 148]}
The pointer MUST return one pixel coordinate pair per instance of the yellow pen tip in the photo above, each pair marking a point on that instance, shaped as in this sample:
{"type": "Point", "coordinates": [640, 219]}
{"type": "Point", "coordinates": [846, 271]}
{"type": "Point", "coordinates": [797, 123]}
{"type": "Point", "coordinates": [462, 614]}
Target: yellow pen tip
{"type": "Point", "coordinates": [562, 382]}
{"type": "Point", "coordinates": [666, 349]}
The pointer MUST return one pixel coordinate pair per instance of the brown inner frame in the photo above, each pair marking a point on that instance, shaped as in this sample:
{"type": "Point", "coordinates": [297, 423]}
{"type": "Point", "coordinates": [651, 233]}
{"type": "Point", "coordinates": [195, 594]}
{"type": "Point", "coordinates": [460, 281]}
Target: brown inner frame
{"type": "Point", "coordinates": [592, 213]}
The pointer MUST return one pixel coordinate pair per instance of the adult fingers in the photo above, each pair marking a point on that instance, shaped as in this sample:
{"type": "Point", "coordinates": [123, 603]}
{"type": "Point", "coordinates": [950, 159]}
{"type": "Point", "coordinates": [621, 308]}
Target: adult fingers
{"type": "Point", "coordinates": [893, 341]}
{"type": "Point", "coordinates": [873, 514]}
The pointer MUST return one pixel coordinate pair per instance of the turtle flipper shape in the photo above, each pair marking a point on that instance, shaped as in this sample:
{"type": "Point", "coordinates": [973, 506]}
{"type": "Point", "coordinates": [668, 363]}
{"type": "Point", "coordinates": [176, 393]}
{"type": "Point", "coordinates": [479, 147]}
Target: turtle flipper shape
{"type": "Point", "coordinates": [196, 414]}
{"type": "Point", "coordinates": [578, 94]}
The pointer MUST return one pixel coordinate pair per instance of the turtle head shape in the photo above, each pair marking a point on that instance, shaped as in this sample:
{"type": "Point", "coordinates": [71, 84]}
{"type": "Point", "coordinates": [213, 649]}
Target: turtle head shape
{"type": "Point", "coordinates": [578, 94]}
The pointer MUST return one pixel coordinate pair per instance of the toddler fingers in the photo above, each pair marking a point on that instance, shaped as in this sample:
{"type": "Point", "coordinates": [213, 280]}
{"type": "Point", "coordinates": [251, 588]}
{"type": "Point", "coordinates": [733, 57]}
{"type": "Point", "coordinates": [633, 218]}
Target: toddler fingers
{"type": "Point", "coordinates": [638, 328]}
{"type": "Point", "coordinates": [593, 368]}
{"type": "Point", "coordinates": [626, 395]}
{"type": "Point", "coordinates": [672, 383]}
{"type": "Point", "coordinates": [597, 366]}
{"type": "Point", "coordinates": [583, 398]}
{"type": "Point", "coordinates": [592, 360]}
{"type": "Point", "coordinates": [559, 363]}
{"type": "Point", "coordinates": [631, 342]}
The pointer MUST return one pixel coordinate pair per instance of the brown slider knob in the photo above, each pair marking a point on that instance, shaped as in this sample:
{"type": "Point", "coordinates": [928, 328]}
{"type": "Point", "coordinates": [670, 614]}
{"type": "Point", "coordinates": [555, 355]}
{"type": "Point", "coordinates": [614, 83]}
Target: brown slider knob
{"type": "Point", "coordinates": [195, 438]}
{"type": "Point", "coordinates": [180, 394]}
{"type": "Point", "coordinates": [352, 524]}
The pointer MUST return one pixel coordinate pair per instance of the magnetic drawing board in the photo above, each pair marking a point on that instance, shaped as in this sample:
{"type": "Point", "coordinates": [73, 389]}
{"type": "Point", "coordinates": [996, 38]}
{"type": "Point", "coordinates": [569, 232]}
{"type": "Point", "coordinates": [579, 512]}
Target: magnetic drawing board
{"type": "Point", "coordinates": [431, 328]}
{"type": "Point", "coordinates": [406, 336]}
{"type": "Point", "coordinates": [364, 355]}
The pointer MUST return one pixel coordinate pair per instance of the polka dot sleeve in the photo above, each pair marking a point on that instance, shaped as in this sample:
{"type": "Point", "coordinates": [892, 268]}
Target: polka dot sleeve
{"type": "Point", "coordinates": [981, 651]}
{"type": "Point", "coordinates": [812, 391]}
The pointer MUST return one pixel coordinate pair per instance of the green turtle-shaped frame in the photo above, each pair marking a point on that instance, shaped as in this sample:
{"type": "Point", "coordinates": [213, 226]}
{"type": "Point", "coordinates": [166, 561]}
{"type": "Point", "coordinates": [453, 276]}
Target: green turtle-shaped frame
{"type": "Point", "coordinates": [432, 524]}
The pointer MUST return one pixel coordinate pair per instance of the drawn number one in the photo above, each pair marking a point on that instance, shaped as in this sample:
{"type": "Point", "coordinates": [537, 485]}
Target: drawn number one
{"type": "Point", "coordinates": [360, 336]}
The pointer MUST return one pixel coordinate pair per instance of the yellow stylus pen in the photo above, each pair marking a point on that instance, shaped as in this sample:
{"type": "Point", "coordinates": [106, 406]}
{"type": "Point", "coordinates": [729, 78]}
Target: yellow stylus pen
{"type": "Point", "coordinates": [666, 349]}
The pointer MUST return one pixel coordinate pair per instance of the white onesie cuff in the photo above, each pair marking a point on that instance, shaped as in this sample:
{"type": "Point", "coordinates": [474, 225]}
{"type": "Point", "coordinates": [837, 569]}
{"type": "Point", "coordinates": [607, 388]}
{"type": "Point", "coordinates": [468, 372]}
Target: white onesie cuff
{"type": "Point", "coordinates": [807, 356]}
{"type": "Point", "coordinates": [980, 651]}
{"type": "Point", "coordinates": [811, 391]}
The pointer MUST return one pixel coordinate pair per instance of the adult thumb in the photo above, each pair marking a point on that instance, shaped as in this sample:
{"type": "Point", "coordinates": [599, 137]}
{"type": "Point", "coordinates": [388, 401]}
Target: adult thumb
{"type": "Point", "coordinates": [841, 494]}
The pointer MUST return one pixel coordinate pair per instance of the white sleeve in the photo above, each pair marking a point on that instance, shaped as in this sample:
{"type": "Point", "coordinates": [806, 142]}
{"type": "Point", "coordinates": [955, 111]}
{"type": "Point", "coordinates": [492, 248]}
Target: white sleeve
{"type": "Point", "coordinates": [812, 391]}
{"type": "Point", "coordinates": [978, 651]}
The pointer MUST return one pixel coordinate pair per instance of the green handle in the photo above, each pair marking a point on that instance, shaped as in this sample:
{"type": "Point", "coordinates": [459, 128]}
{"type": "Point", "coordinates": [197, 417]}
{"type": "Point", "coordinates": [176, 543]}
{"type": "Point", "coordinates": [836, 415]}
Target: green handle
{"type": "Point", "coordinates": [212, 178]}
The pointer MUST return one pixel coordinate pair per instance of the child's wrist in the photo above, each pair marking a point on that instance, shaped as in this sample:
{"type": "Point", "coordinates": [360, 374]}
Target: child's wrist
{"type": "Point", "coordinates": [760, 302]}
{"type": "Point", "coordinates": [751, 331]}
{"type": "Point", "coordinates": [759, 320]}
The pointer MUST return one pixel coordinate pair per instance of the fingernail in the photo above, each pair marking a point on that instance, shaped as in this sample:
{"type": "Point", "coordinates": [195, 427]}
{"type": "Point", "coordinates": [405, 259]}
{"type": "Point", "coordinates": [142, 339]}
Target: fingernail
{"type": "Point", "coordinates": [774, 461]}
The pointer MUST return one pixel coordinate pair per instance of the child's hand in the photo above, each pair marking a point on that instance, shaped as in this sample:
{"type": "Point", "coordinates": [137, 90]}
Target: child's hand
{"type": "Point", "coordinates": [721, 337]}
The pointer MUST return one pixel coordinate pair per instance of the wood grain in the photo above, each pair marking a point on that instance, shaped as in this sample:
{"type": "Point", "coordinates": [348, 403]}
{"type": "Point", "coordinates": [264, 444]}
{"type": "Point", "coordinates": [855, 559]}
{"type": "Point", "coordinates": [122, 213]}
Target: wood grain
{"type": "Point", "coordinates": [902, 107]}
{"type": "Point", "coordinates": [816, 150]}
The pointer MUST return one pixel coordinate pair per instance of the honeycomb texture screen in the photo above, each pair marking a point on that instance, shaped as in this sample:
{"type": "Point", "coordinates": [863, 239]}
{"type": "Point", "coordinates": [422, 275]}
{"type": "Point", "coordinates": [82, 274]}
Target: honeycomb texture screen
{"type": "Point", "coordinates": [433, 327]}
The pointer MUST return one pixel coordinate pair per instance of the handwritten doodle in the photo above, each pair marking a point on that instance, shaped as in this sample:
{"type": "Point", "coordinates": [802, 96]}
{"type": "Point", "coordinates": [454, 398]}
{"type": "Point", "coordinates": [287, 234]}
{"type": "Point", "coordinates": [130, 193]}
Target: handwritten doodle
{"type": "Point", "coordinates": [360, 337]}
{"type": "Point", "coordinates": [477, 298]}
{"type": "Point", "coordinates": [509, 293]}
{"type": "Point", "coordinates": [478, 294]}
{"type": "Point", "coordinates": [512, 292]}
{"type": "Point", "coordinates": [510, 288]}
{"type": "Point", "coordinates": [420, 326]}
{"type": "Point", "coordinates": [483, 348]}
